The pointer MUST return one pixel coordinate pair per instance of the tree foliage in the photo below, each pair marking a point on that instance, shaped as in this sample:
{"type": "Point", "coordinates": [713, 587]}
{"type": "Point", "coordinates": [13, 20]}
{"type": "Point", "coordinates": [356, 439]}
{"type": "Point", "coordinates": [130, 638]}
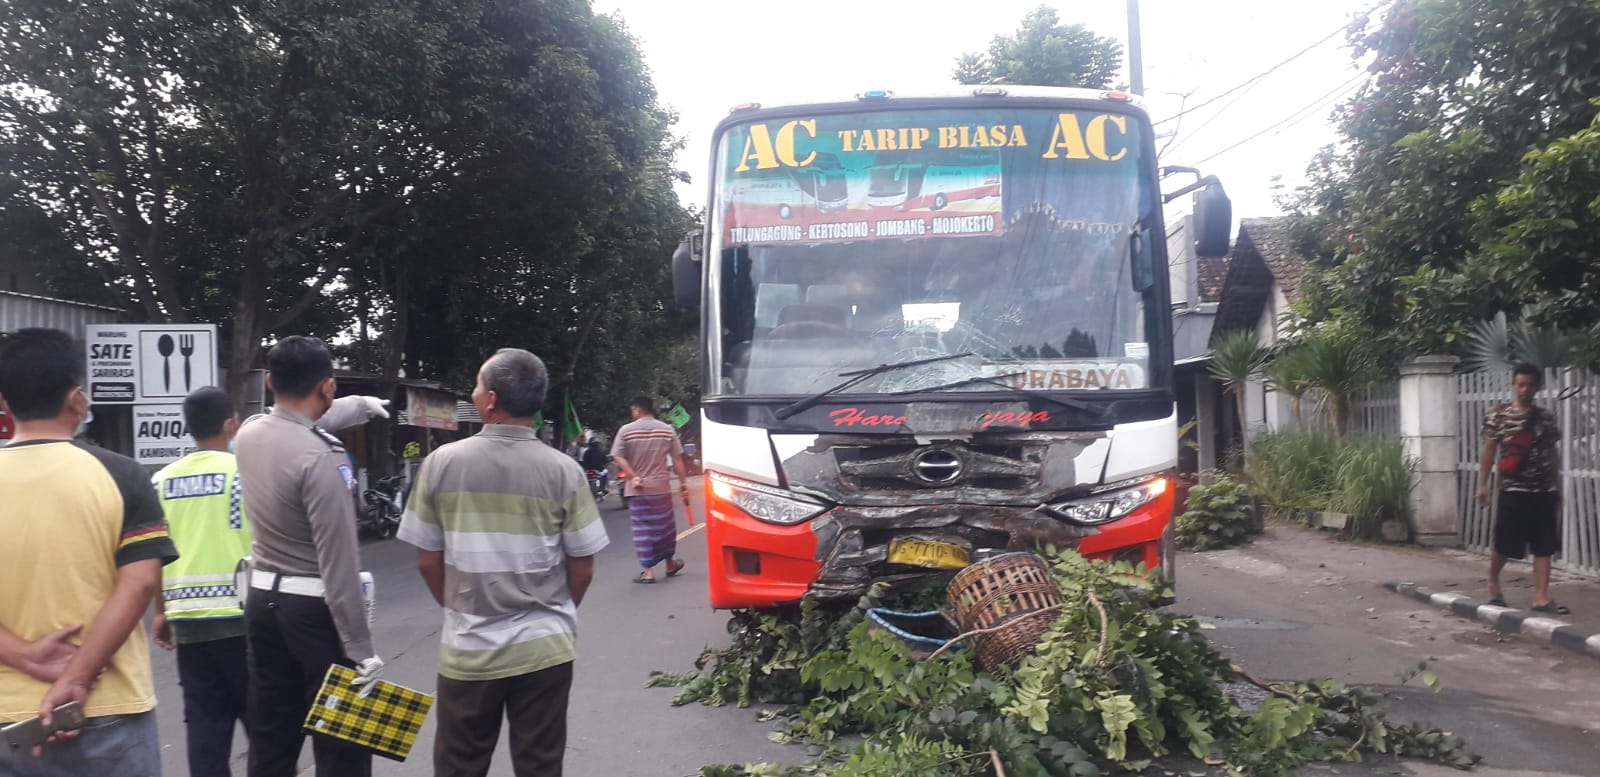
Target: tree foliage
{"type": "Point", "coordinates": [1044, 51]}
{"type": "Point", "coordinates": [1111, 687]}
{"type": "Point", "coordinates": [1464, 181]}
{"type": "Point", "coordinates": [427, 180]}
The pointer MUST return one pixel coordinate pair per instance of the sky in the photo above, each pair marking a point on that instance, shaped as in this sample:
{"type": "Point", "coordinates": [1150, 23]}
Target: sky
{"type": "Point", "coordinates": [706, 56]}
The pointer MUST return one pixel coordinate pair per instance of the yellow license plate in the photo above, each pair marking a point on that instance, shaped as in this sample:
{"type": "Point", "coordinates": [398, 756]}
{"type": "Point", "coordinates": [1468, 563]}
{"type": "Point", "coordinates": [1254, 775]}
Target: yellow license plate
{"type": "Point", "coordinates": [923, 553]}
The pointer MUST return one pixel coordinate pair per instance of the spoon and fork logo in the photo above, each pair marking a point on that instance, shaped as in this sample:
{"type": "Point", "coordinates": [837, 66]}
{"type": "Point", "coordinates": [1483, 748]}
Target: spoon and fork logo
{"type": "Point", "coordinates": [185, 348]}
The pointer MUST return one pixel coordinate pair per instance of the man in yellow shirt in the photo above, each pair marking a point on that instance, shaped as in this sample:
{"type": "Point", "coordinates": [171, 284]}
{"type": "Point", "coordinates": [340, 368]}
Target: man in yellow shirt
{"type": "Point", "coordinates": [85, 542]}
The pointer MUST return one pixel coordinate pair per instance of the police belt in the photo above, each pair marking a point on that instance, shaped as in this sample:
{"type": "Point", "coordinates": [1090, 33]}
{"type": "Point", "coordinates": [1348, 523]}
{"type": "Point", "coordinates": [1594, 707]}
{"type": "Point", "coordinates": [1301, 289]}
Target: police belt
{"type": "Point", "coordinates": [301, 586]}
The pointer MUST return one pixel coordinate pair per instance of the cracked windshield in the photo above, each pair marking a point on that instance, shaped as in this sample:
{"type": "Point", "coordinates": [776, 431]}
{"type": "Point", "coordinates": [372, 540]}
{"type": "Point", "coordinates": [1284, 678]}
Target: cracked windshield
{"type": "Point", "coordinates": [848, 241]}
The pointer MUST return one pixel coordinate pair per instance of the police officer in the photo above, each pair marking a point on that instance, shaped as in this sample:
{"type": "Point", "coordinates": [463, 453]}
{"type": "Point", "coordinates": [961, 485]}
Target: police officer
{"type": "Point", "coordinates": [305, 610]}
{"type": "Point", "coordinates": [200, 615]}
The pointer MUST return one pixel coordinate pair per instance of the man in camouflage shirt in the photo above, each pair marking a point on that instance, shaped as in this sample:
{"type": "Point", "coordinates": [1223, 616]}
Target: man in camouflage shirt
{"type": "Point", "coordinates": [1519, 443]}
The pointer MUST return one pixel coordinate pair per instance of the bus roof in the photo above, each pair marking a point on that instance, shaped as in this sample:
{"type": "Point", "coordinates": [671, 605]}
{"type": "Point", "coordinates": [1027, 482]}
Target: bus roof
{"type": "Point", "coordinates": [985, 92]}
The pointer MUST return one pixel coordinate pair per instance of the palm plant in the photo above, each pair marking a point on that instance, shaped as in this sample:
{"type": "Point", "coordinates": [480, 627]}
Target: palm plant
{"type": "Point", "coordinates": [1499, 345]}
{"type": "Point", "coordinates": [1286, 372]}
{"type": "Point", "coordinates": [1339, 368]}
{"type": "Point", "coordinates": [1236, 357]}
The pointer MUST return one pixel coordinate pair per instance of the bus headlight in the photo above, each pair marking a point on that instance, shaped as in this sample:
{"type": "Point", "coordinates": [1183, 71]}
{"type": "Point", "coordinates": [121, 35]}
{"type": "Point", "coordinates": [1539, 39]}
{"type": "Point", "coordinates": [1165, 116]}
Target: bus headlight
{"type": "Point", "coordinates": [765, 503]}
{"type": "Point", "coordinates": [1111, 504]}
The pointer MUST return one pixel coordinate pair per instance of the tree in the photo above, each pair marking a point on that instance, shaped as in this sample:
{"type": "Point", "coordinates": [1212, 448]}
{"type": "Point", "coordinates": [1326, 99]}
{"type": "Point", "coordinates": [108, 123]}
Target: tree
{"type": "Point", "coordinates": [1464, 181]}
{"type": "Point", "coordinates": [1236, 357]}
{"type": "Point", "coordinates": [1044, 52]}
{"type": "Point", "coordinates": [218, 158]}
{"type": "Point", "coordinates": [436, 179]}
{"type": "Point", "coordinates": [1286, 372]}
{"type": "Point", "coordinates": [1338, 366]}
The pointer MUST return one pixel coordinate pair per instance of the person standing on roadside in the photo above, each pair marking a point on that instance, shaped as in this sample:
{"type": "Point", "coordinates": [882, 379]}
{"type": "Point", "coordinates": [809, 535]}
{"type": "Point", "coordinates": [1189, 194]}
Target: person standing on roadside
{"type": "Point", "coordinates": [85, 540]}
{"type": "Point", "coordinates": [1519, 442]}
{"type": "Point", "coordinates": [648, 450]}
{"type": "Point", "coordinates": [506, 532]}
{"type": "Point", "coordinates": [200, 616]}
{"type": "Point", "coordinates": [305, 611]}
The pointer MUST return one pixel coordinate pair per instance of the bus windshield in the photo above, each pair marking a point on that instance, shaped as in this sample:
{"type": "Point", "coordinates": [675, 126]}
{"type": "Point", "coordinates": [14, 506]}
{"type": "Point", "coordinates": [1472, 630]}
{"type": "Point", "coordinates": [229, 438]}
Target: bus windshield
{"type": "Point", "coordinates": [846, 241]}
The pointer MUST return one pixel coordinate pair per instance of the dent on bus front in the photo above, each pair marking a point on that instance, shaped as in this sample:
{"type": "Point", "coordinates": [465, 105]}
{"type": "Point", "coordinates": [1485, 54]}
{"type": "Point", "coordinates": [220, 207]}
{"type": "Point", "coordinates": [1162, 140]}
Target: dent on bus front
{"type": "Point", "coordinates": [851, 510]}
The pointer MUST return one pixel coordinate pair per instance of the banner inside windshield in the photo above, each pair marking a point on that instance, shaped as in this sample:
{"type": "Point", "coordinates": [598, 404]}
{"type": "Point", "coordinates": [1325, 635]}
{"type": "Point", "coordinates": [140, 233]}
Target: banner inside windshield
{"type": "Point", "coordinates": [909, 175]}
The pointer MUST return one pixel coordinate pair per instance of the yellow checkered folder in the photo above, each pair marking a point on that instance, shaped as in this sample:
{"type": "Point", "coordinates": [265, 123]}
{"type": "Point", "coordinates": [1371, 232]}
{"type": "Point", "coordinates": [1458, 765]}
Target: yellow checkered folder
{"type": "Point", "coordinates": [385, 721]}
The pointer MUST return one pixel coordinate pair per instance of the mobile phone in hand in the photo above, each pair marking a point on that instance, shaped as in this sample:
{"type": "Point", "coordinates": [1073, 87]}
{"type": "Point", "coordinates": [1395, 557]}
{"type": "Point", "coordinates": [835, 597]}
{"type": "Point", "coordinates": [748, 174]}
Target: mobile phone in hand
{"type": "Point", "coordinates": [30, 733]}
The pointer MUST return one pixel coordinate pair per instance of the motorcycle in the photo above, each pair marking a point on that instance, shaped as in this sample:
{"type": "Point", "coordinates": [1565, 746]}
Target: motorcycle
{"type": "Point", "coordinates": [381, 517]}
{"type": "Point", "coordinates": [599, 484]}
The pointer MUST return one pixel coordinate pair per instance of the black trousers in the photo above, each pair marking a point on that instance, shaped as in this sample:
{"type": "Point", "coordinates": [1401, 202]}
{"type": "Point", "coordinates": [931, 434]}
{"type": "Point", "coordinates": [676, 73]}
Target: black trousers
{"type": "Point", "coordinates": [468, 717]}
{"type": "Point", "coordinates": [215, 680]}
{"type": "Point", "coordinates": [292, 642]}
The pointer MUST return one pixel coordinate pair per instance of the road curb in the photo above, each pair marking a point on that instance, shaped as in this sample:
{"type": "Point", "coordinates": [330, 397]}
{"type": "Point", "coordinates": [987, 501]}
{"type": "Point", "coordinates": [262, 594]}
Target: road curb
{"type": "Point", "coordinates": [1506, 620]}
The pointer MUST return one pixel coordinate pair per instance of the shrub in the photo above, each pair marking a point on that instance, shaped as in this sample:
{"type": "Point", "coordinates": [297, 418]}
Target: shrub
{"type": "Point", "coordinates": [1296, 468]}
{"type": "Point", "coordinates": [1373, 485]}
{"type": "Point", "coordinates": [1368, 478]}
{"type": "Point", "coordinates": [1216, 516]}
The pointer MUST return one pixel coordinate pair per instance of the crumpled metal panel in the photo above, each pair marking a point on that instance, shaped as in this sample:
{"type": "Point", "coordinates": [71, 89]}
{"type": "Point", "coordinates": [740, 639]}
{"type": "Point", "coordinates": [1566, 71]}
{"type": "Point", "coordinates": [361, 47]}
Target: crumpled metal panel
{"type": "Point", "coordinates": [853, 543]}
{"type": "Point", "coordinates": [853, 538]}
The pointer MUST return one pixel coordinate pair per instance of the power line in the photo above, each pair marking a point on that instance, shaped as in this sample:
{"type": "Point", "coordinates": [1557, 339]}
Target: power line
{"type": "Point", "coordinates": [1269, 71]}
{"type": "Point", "coordinates": [1294, 118]}
{"type": "Point", "coordinates": [1177, 143]}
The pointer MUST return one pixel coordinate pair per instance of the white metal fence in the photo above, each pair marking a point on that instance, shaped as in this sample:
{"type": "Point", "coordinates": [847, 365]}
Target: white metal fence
{"type": "Point", "coordinates": [1575, 398]}
{"type": "Point", "coordinates": [1375, 411]}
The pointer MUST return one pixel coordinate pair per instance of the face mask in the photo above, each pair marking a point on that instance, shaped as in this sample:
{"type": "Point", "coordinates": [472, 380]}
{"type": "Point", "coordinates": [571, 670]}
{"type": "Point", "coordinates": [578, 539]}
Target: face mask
{"type": "Point", "coordinates": [83, 426]}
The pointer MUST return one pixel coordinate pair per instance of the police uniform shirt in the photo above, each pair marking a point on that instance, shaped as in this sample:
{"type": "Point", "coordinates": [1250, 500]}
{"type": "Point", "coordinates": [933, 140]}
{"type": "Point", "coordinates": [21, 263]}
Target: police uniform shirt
{"type": "Point", "coordinates": [298, 486]}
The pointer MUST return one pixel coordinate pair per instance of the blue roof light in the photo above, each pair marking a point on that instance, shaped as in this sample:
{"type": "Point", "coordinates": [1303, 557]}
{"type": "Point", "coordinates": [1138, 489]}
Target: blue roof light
{"type": "Point", "coordinates": [875, 94]}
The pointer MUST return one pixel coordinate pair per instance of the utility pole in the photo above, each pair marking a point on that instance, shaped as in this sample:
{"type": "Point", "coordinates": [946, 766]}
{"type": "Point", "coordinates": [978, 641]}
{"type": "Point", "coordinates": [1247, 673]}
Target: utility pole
{"type": "Point", "coordinates": [1135, 52]}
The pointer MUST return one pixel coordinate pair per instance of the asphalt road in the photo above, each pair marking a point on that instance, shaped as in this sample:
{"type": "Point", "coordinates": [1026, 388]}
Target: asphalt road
{"type": "Point", "coordinates": [1528, 709]}
{"type": "Point", "coordinates": [616, 726]}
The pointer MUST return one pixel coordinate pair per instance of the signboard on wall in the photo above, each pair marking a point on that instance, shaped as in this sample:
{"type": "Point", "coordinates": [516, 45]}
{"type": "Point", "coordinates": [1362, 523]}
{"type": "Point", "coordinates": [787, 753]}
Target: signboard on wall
{"type": "Point", "coordinates": [134, 364]}
{"type": "Point", "coordinates": [431, 409]}
{"type": "Point", "coordinates": [159, 435]}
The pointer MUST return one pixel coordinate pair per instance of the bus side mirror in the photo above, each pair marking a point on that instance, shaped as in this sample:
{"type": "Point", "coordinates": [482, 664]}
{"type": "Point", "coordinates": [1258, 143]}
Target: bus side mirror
{"type": "Point", "coordinates": [1213, 219]}
{"type": "Point", "coordinates": [686, 271]}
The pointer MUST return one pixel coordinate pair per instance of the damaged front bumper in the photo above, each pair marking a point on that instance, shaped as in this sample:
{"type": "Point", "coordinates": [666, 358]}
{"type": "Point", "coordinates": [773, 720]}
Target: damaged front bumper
{"type": "Point", "coordinates": [843, 551]}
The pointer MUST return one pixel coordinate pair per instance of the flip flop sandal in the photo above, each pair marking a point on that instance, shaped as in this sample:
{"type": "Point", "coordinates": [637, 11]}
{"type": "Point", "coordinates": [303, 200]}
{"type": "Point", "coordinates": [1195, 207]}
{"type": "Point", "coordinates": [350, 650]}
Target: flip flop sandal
{"type": "Point", "coordinates": [1553, 608]}
{"type": "Point", "coordinates": [672, 571]}
{"type": "Point", "coordinates": [642, 580]}
{"type": "Point", "coordinates": [1498, 601]}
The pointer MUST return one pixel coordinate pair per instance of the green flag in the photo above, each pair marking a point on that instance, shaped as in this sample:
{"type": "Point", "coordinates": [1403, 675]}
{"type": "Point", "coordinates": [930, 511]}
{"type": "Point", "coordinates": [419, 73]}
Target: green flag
{"type": "Point", "coordinates": [571, 426]}
{"type": "Point", "coordinates": [677, 416]}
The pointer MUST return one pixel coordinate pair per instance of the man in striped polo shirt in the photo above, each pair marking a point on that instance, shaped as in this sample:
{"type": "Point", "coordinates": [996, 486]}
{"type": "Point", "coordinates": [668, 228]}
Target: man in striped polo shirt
{"type": "Point", "coordinates": [506, 532]}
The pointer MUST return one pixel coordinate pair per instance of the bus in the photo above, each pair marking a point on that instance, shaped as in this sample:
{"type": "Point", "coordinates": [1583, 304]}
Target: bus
{"type": "Point", "coordinates": [968, 354]}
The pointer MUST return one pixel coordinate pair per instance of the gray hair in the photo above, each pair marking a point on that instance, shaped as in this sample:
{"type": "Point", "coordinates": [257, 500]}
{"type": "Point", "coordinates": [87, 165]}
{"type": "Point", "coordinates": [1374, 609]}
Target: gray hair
{"type": "Point", "coordinates": [518, 379]}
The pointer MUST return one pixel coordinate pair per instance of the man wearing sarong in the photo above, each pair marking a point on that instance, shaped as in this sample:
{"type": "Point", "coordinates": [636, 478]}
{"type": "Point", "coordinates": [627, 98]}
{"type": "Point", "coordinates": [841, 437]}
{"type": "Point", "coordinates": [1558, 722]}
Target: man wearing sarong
{"type": "Point", "coordinates": [648, 450]}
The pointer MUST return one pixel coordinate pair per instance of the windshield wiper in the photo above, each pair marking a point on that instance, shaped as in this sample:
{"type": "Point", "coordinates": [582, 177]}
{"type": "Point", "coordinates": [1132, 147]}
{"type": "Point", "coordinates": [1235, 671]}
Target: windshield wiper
{"type": "Point", "coordinates": [999, 380]}
{"type": "Point", "coordinates": [858, 376]}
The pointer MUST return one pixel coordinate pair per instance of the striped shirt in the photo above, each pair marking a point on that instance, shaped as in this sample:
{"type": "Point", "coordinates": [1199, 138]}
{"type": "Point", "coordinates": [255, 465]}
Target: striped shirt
{"type": "Point", "coordinates": [506, 510]}
{"type": "Point", "coordinates": [647, 444]}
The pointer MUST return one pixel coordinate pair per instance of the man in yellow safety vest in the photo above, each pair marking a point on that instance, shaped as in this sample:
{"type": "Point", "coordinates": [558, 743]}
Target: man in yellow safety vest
{"type": "Point", "coordinates": [200, 615]}
{"type": "Point", "coordinates": [201, 618]}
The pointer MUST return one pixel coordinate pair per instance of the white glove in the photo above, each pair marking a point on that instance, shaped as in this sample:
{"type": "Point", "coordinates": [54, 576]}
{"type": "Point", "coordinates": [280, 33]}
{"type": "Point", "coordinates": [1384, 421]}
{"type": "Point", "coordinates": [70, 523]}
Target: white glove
{"type": "Point", "coordinates": [367, 674]}
{"type": "Point", "coordinates": [375, 407]}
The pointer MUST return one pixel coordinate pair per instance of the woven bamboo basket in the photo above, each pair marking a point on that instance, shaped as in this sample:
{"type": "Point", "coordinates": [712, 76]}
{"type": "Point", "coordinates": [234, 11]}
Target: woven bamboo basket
{"type": "Point", "coordinates": [1006, 592]}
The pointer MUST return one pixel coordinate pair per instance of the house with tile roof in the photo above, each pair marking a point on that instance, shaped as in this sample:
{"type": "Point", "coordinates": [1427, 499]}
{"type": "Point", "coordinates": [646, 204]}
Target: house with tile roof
{"type": "Point", "coordinates": [1196, 283]}
{"type": "Point", "coordinates": [1259, 285]}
